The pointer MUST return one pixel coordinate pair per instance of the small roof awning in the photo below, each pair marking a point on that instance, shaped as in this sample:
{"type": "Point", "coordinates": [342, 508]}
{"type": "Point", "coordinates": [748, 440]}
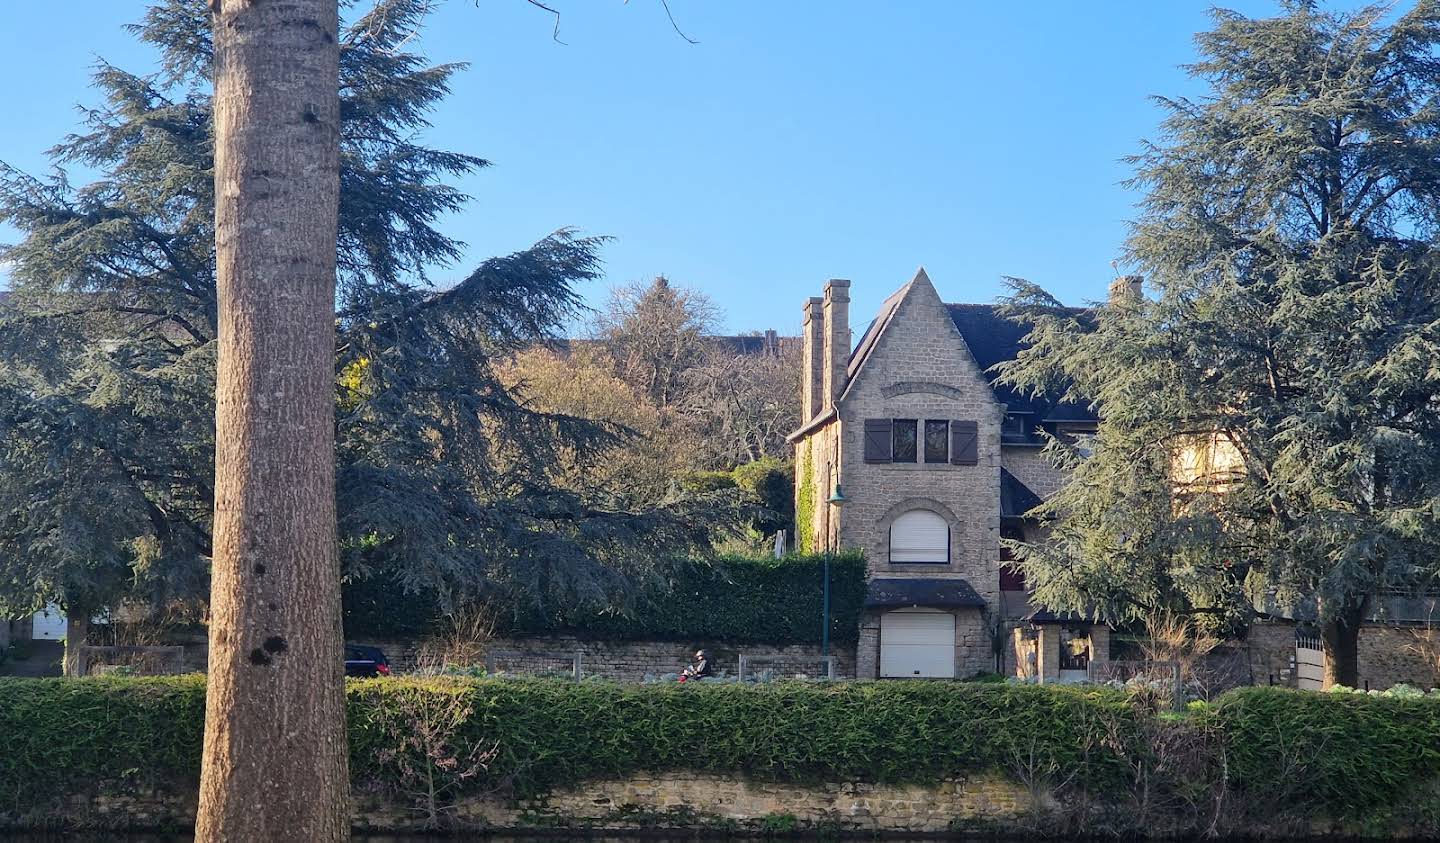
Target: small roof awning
{"type": "Point", "coordinates": [1016, 499]}
{"type": "Point", "coordinates": [895, 593]}
{"type": "Point", "coordinates": [1044, 616]}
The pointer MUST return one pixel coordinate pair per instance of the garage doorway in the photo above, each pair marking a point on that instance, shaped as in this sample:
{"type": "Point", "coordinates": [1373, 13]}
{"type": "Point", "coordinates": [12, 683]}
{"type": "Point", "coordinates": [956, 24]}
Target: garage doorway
{"type": "Point", "coordinates": [917, 644]}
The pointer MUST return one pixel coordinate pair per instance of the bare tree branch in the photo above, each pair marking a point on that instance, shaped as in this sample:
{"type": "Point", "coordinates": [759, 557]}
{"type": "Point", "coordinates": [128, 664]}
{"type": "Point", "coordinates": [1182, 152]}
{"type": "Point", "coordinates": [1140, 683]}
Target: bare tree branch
{"type": "Point", "coordinates": [556, 32]}
{"type": "Point", "coordinates": [675, 26]}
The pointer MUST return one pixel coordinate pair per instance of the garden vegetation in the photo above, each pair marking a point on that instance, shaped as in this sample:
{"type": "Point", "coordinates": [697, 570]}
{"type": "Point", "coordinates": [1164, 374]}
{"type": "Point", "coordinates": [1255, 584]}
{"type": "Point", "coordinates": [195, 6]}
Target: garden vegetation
{"type": "Point", "coordinates": [1110, 761]}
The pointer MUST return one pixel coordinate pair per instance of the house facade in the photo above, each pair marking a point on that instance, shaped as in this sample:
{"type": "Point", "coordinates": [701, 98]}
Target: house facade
{"type": "Point", "coordinates": [911, 452]}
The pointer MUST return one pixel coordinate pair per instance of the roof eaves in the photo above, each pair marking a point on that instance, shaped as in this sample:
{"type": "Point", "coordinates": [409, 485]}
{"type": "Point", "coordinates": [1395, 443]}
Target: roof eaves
{"type": "Point", "coordinates": [813, 425]}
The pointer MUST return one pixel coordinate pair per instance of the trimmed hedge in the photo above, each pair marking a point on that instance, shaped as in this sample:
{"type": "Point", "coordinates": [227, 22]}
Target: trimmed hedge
{"type": "Point", "coordinates": [1341, 755]}
{"type": "Point", "coordinates": [63, 736]}
{"type": "Point", "coordinates": [736, 600]}
{"type": "Point", "coordinates": [1343, 750]}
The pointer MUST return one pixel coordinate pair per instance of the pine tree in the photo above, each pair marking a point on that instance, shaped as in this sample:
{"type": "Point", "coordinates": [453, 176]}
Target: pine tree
{"type": "Point", "coordinates": [108, 359]}
{"type": "Point", "coordinates": [1289, 231]}
{"type": "Point", "coordinates": [275, 755]}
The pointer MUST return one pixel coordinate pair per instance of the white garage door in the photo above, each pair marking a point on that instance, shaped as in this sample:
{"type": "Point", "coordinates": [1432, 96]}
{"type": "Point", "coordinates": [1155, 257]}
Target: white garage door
{"type": "Point", "coordinates": [917, 644]}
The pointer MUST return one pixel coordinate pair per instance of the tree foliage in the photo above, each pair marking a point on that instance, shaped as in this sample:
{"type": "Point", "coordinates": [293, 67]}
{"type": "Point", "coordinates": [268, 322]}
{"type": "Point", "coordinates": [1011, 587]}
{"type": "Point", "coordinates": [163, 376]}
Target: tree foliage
{"type": "Point", "coordinates": [107, 356]}
{"type": "Point", "coordinates": [1269, 419]}
{"type": "Point", "coordinates": [688, 401]}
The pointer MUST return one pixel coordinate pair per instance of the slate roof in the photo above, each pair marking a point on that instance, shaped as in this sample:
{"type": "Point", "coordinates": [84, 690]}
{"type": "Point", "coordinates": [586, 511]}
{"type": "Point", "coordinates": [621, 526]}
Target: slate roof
{"type": "Point", "coordinates": [1044, 616]}
{"type": "Point", "coordinates": [1016, 498]}
{"type": "Point", "coordinates": [994, 339]}
{"type": "Point", "coordinates": [742, 345]}
{"type": "Point", "coordinates": [896, 592]}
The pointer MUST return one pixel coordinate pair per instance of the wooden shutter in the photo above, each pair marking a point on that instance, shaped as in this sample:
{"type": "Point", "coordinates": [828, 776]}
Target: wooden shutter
{"type": "Point", "coordinates": [964, 443]}
{"type": "Point", "coordinates": [877, 440]}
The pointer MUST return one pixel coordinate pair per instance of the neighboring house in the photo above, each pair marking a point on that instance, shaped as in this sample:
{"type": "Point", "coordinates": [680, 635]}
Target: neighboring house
{"type": "Point", "coordinates": [912, 453]}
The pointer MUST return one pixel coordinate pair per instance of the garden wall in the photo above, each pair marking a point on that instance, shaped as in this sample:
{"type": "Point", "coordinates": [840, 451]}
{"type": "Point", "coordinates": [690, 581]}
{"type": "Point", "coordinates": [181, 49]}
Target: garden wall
{"type": "Point", "coordinates": [625, 661]}
{"type": "Point", "coordinates": [692, 801]}
{"type": "Point", "coordinates": [1389, 655]}
{"type": "Point", "coordinates": [632, 661]}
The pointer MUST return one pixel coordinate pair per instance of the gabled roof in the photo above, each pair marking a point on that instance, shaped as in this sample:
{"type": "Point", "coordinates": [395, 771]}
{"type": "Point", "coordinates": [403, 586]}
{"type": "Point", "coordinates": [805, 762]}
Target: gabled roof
{"type": "Point", "coordinates": [992, 339]}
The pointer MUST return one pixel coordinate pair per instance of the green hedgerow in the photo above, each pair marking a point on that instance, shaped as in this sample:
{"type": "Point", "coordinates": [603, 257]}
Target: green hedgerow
{"type": "Point", "coordinates": [733, 599]}
{"type": "Point", "coordinates": [1348, 752]}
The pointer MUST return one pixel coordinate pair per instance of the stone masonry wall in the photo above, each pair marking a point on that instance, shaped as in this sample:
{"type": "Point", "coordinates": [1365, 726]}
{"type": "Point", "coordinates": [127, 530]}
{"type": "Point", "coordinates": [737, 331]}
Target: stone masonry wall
{"type": "Point", "coordinates": [922, 369]}
{"type": "Point", "coordinates": [1030, 466]}
{"type": "Point", "coordinates": [1389, 655]}
{"type": "Point", "coordinates": [673, 799]}
{"type": "Point", "coordinates": [627, 661]}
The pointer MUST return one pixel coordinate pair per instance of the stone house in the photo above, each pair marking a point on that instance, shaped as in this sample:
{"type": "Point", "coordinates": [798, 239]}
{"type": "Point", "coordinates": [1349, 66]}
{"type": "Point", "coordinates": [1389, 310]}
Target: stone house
{"type": "Point", "coordinates": [911, 452]}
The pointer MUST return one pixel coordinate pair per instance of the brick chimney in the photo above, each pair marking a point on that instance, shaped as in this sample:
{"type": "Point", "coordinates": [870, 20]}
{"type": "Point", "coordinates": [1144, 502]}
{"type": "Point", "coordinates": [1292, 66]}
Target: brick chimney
{"type": "Point", "coordinates": [1127, 288]}
{"type": "Point", "coordinates": [812, 339]}
{"type": "Point", "coordinates": [837, 338]}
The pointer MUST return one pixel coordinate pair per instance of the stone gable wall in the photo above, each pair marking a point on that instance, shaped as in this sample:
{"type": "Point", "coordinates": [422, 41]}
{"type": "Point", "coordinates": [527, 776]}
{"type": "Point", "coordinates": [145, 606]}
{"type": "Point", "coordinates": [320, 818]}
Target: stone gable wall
{"type": "Point", "coordinates": [922, 346]}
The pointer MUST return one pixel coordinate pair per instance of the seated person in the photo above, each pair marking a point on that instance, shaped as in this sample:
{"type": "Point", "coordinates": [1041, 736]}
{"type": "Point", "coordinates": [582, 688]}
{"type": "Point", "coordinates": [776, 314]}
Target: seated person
{"type": "Point", "coordinates": [700, 669]}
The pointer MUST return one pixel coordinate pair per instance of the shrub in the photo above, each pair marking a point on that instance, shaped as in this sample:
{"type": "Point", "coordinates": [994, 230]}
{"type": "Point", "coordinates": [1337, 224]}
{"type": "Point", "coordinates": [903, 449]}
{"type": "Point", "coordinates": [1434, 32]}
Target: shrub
{"type": "Point", "coordinates": [62, 735]}
{"type": "Point", "coordinates": [67, 736]}
{"type": "Point", "coordinates": [1345, 751]}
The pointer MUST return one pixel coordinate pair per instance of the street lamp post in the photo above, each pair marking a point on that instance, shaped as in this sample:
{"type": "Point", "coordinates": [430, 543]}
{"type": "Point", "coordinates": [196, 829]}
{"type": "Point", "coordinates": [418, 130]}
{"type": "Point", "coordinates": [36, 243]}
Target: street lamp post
{"type": "Point", "coordinates": [836, 499]}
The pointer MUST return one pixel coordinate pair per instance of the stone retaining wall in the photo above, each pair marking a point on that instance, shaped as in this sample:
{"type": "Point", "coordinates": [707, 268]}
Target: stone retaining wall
{"type": "Point", "coordinates": [671, 800]}
{"type": "Point", "coordinates": [628, 661]}
{"type": "Point", "coordinates": [699, 801]}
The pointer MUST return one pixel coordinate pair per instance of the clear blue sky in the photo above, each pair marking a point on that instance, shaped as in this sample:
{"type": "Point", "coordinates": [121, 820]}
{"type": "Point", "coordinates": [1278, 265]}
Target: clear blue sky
{"type": "Point", "coordinates": [797, 141]}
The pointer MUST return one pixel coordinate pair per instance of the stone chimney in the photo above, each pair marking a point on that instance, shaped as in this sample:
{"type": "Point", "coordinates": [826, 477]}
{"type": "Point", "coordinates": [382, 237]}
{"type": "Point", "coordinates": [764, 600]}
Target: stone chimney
{"type": "Point", "coordinates": [1127, 288]}
{"type": "Point", "coordinates": [837, 338]}
{"type": "Point", "coordinates": [812, 340]}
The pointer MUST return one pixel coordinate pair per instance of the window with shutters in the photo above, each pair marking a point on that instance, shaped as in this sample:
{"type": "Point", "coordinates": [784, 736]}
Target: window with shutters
{"type": "Point", "coordinates": [937, 441]}
{"type": "Point", "coordinates": [903, 438]}
{"type": "Point", "coordinates": [964, 443]}
{"type": "Point", "coordinates": [919, 536]}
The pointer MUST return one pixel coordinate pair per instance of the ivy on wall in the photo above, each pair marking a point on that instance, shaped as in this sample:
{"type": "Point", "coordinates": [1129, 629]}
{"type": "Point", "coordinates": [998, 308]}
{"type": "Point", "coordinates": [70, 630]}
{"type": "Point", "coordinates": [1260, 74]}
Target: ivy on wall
{"type": "Point", "coordinates": [804, 499]}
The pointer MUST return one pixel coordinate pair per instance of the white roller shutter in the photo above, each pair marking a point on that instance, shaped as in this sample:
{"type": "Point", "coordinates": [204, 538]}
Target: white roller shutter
{"type": "Point", "coordinates": [920, 536]}
{"type": "Point", "coordinates": [917, 645]}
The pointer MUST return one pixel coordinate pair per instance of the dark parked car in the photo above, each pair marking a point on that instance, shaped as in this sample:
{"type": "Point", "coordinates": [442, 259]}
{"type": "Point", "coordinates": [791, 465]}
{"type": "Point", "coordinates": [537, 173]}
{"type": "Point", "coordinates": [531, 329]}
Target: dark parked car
{"type": "Point", "coordinates": [366, 662]}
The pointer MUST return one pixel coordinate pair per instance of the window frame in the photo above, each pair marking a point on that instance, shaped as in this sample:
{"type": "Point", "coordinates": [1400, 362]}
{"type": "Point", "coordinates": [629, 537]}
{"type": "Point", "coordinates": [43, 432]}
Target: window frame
{"type": "Point", "coordinates": [944, 427]}
{"type": "Point", "coordinates": [890, 539]}
{"type": "Point", "coordinates": [896, 426]}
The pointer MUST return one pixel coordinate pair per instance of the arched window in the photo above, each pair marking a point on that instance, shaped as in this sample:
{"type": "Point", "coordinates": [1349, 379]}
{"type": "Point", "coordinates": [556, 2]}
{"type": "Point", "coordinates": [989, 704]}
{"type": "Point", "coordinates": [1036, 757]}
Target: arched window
{"type": "Point", "coordinates": [920, 536]}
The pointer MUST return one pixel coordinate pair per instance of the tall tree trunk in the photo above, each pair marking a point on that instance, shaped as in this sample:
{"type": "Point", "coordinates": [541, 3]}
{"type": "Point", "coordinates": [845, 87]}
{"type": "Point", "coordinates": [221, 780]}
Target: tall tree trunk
{"type": "Point", "coordinates": [274, 765]}
{"type": "Point", "coordinates": [77, 634]}
{"type": "Point", "coordinates": [1340, 638]}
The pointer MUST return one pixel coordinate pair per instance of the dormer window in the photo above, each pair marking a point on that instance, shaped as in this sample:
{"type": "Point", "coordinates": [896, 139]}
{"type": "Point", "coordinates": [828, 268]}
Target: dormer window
{"type": "Point", "coordinates": [1015, 426]}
